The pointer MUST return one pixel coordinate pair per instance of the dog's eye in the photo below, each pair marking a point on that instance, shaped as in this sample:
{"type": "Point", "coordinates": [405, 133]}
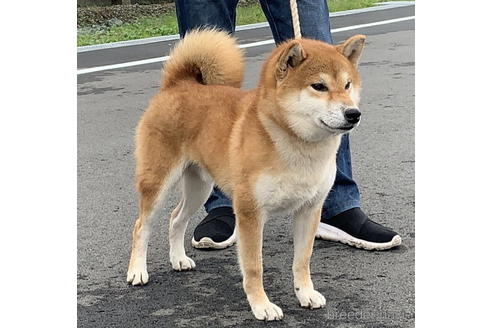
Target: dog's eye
{"type": "Point", "coordinates": [319, 87]}
{"type": "Point", "coordinates": [347, 86]}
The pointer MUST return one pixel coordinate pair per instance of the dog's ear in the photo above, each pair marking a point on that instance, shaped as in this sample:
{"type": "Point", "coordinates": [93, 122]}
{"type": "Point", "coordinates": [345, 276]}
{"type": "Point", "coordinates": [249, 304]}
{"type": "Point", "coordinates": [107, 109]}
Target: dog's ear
{"type": "Point", "coordinates": [352, 48]}
{"type": "Point", "coordinates": [291, 57]}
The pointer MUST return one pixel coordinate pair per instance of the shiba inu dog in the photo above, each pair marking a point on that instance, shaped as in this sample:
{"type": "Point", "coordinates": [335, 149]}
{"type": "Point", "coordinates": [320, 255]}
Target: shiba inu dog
{"type": "Point", "coordinates": [271, 149]}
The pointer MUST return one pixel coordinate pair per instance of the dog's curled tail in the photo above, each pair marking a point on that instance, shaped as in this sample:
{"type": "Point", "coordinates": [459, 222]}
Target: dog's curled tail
{"type": "Point", "coordinates": [207, 56]}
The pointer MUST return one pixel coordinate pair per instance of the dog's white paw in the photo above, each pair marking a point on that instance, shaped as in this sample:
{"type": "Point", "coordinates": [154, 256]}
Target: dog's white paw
{"type": "Point", "coordinates": [183, 263]}
{"type": "Point", "coordinates": [267, 311]}
{"type": "Point", "coordinates": [137, 276]}
{"type": "Point", "coordinates": [310, 298]}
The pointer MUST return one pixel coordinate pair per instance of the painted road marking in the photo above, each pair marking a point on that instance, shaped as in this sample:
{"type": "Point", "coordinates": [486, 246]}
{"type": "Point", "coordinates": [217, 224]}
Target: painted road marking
{"type": "Point", "coordinates": [246, 45]}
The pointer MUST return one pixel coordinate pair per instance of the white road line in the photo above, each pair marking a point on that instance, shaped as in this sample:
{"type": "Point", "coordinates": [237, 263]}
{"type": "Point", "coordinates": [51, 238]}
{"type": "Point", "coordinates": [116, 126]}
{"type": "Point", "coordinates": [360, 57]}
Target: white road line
{"type": "Point", "coordinates": [246, 45]}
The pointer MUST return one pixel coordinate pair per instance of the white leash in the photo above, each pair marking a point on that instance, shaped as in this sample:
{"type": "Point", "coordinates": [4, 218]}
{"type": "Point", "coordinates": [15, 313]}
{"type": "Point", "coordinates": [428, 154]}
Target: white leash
{"type": "Point", "coordinates": [295, 19]}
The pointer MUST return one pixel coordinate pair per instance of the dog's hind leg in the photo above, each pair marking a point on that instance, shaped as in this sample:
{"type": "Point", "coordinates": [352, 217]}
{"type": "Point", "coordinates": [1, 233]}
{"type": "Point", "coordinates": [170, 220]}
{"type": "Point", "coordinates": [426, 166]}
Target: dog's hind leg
{"type": "Point", "coordinates": [196, 189]}
{"type": "Point", "coordinates": [152, 196]}
{"type": "Point", "coordinates": [157, 172]}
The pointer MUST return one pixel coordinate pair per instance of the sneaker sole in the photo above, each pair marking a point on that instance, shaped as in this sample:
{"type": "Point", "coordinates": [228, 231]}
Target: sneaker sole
{"type": "Point", "coordinates": [207, 242]}
{"type": "Point", "coordinates": [331, 233]}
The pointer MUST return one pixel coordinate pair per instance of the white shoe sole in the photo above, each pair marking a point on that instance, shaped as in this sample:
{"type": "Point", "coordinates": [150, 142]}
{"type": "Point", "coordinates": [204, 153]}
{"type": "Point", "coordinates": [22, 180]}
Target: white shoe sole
{"type": "Point", "coordinates": [207, 242]}
{"type": "Point", "coordinates": [331, 233]}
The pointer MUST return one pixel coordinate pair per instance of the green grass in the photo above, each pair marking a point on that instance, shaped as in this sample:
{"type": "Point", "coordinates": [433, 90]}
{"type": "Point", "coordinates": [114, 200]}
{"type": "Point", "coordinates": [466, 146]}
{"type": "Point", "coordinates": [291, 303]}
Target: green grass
{"type": "Point", "coordinates": [339, 5]}
{"type": "Point", "coordinates": [142, 28]}
{"type": "Point", "coordinates": [249, 15]}
{"type": "Point", "coordinates": [166, 24]}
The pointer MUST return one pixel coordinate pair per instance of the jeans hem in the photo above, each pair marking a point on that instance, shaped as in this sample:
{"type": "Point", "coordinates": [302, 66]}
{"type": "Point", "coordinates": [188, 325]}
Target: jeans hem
{"type": "Point", "coordinates": [215, 205]}
{"type": "Point", "coordinates": [335, 210]}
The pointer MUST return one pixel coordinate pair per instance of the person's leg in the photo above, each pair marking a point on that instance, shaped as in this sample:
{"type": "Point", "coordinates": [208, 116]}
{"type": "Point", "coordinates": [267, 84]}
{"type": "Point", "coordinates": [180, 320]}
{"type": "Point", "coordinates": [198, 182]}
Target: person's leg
{"type": "Point", "coordinates": [217, 229]}
{"type": "Point", "coordinates": [217, 199]}
{"type": "Point", "coordinates": [341, 219]}
{"type": "Point", "coordinates": [344, 194]}
{"type": "Point", "coordinates": [192, 14]}
{"type": "Point", "coordinates": [313, 17]}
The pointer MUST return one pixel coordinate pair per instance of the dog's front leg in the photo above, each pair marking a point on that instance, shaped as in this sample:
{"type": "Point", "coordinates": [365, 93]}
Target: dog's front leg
{"type": "Point", "coordinates": [249, 225]}
{"type": "Point", "coordinates": [306, 222]}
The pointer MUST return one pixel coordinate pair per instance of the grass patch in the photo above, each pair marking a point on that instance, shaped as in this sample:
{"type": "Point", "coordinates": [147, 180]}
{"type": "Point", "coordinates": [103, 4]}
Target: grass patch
{"type": "Point", "coordinates": [249, 15]}
{"type": "Point", "coordinates": [340, 5]}
{"type": "Point", "coordinates": [146, 27]}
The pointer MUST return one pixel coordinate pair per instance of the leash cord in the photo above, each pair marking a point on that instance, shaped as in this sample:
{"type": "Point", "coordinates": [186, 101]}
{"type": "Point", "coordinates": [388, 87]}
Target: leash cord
{"type": "Point", "coordinates": [295, 19]}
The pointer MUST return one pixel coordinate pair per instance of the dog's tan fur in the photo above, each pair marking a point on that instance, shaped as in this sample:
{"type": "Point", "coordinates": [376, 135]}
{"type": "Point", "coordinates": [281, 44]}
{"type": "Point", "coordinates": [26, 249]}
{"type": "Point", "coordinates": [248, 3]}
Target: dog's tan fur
{"type": "Point", "coordinates": [261, 147]}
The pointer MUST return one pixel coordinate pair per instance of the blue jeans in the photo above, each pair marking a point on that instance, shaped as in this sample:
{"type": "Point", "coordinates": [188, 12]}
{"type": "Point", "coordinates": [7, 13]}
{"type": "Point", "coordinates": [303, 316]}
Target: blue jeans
{"type": "Point", "coordinates": [315, 24]}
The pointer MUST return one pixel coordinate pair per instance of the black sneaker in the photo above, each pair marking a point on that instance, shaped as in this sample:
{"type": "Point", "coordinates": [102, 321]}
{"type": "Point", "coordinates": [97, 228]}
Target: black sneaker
{"type": "Point", "coordinates": [354, 228]}
{"type": "Point", "coordinates": [216, 231]}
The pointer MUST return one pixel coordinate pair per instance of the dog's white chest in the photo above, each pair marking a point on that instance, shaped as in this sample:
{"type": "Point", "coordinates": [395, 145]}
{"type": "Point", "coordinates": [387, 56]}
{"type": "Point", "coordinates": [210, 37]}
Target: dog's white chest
{"type": "Point", "coordinates": [286, 192]}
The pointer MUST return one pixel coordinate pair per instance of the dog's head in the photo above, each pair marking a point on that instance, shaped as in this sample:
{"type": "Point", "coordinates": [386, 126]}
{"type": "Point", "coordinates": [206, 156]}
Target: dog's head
{"type": "Point", "coordinates": [316, 86]}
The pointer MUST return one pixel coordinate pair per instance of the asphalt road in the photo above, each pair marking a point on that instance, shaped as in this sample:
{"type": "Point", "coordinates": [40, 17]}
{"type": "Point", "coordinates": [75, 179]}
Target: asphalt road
{"type": "Point", "coordinates": [362, 288]}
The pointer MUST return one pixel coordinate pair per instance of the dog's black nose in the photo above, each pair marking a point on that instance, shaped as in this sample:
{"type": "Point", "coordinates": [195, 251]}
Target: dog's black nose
{"type": "Point", "coordinates": [352, 115]}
